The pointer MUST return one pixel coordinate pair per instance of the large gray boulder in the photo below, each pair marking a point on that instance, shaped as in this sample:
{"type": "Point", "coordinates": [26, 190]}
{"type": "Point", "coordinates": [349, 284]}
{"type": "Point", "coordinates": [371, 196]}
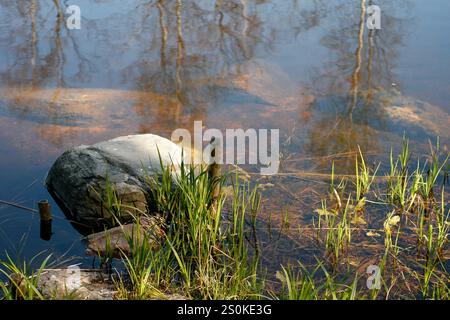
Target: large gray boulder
{"type": "Point", "coordinates": [80, 178]}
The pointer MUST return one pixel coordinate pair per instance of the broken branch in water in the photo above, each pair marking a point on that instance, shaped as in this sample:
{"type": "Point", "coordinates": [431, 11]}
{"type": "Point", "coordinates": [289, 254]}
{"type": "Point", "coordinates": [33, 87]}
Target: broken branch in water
{"type": "Point", "coordinates": [12, 204]}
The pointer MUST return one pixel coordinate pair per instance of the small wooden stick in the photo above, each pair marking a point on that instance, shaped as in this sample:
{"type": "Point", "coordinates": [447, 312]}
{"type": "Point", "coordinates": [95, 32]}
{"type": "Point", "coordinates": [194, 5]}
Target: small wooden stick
{"type": "Point", "coordinates": [17, 206]}
{"type": "Point", "coordinates": [45, 210]}
{"type": "Point", "coordinates": [214, 173]}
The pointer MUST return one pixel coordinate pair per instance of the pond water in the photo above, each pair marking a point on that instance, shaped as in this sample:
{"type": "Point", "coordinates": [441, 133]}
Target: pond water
{"type": "Point", "coordinates": [154, 66]}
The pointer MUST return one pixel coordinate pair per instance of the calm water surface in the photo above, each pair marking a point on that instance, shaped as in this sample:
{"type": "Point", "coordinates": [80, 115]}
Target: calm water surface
{"type": "Point", "coordinates": [154, 66]}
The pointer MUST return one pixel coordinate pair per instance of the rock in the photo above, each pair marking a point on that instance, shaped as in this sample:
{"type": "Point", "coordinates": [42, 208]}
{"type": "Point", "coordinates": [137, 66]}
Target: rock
{"type": "Point", "coordinates": [406, 112]}
{"type": "Point", "coordinates": [81, 178]}
{"type": "Point", "coordinates": [389, 111]}
{"type": "Point", "coordinates": [75, 283]}
{"type": "Point", "coordinates": [115, 241]}
{"type": "Point", "coordinates": [87, 284]}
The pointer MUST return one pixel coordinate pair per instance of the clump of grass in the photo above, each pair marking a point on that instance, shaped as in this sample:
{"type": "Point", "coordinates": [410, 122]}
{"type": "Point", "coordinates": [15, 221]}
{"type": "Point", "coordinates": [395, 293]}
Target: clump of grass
{"type": "Point", "coordinates": [205, 253]}
{"type": "Point", "coordinates": [297, 285]}
{"type": "Point", "coordinates": [334, 290]}
{"type": "Point", "coordinates": [336, 228]}
{"type": "Point", "coordinates": [410, 191]}
{"type": "Point", "coordinates": [392, 222]}
{"type": "Point", "coordinates": [398, 176]}
{"type": "Point", "coordinates": [336, 222]}
{"type": "Point", "coordinates": [443, 227]}
{"type": "Point", "coordinates": [139, 267]}
{"type": "Point", "coordinates": [106, 257]}
{"type": "Point", "coordinates": [440, 290]}
{"type": "Point", "coordinates": [434, 238]}
{"type": "Point", "coordinates": [364, 178]}
{"type": "Point", "coordinates": [318, 284]}
{"type": "Point", "coordinates": [23, 279]}
{"type": "Point", "coordinates": [435, 168]}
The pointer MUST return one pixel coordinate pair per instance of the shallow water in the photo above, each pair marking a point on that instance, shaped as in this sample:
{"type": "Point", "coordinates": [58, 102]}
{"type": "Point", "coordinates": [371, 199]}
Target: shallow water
{"type": "Point", "coordinates": [151, 67]}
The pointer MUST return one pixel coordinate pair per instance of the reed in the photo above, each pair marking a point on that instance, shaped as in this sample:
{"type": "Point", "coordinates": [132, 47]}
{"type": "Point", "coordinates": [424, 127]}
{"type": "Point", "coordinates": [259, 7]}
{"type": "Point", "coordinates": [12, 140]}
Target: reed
{"type": "Point", "coordinates": [23, 278]}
